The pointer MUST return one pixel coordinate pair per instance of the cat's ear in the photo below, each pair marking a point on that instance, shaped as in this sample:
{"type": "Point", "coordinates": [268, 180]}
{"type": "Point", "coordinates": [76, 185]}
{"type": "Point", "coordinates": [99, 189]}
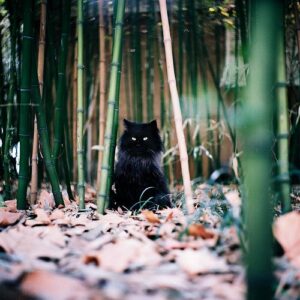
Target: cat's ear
{"type": "Point", "coordinates": [126, 123]}
{"type": "Point", "coordinates": [153, 125]}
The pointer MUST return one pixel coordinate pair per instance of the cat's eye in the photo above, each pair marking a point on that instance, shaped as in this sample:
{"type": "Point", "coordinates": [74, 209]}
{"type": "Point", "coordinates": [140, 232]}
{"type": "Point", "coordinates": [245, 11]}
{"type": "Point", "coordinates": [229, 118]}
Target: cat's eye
{"type": "Point", "coordinates": [133, 138]}
{"type": "Point", "coordinates": [145, 138]}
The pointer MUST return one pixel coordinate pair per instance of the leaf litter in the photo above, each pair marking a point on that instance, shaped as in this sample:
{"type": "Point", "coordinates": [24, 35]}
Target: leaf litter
{"type": "Point", "coordinates": [62, 253]}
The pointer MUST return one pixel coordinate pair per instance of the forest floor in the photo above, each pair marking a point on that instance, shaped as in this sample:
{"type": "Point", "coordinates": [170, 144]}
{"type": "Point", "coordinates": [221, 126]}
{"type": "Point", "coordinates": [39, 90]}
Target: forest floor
{"type": "Point", "coordinates": [63, 253]}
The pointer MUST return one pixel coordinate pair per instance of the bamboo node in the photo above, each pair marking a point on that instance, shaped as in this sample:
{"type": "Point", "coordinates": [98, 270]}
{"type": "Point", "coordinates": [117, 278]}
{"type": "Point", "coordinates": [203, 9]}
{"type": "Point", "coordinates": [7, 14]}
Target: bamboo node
{"type": "Point", "coordinates": [111, 102]}
{"type": "Point", "coordinates": [27, 37]}
{"type": "Point", "coordinates": [56, 192]}
{"type": "Point", "coordinates": [119, 24]}
{"type": "Point", "coordinates": [81, 67]}
{"type": "Point", "coordinates": [115, 64]}
{"type": "Point", "coordinates": [80, 110]}
{"type": "Point", "coordinates": [24, 134]}
{"type": "Point", "coordinates": [102, 195]}
{"type": "Point", "coordinates": [281, 84]}
{"type": "Point", "coordinates": [171, 81]}
{"type": "Point", "coordinates": [283, 136]}
{"type": "Point", "coordinates": [105, 168]}
{"type": "Point", "coordinates": [42, 129]}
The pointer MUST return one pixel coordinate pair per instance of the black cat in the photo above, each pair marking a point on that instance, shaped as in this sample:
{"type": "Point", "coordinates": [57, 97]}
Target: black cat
{"type": "Point", "coordinates": [139, 181]}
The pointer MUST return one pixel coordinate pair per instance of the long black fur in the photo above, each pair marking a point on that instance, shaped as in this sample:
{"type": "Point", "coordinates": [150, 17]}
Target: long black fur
{"type": "Point", "coordinates": [139, 181]}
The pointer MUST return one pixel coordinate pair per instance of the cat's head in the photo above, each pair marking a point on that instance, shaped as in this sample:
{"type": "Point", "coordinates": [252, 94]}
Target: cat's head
{"type": "Point", "coordinates": [141, 139]}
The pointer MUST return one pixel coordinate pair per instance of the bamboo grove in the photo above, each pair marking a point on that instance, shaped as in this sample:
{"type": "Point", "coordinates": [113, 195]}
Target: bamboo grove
{"type": "Point", "coordinates": [70, 70]}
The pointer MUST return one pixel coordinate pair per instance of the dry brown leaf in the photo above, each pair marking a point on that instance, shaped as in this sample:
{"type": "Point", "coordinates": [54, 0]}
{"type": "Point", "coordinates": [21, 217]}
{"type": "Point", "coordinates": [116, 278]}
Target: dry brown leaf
{"type": "Point", "coordinates": [121, 255]}
{"type": "Point", "coordinates": [234, 199]}
{"type": "Point", "coordinates": [57, 214]}
{"type": "Point", "coordinates": [200, 261]}
{"type": "Point", "coordinates": [286, 230]}
{"type": "Point", "coordinates": [42, 218]}
{"type": "Point", "coordinates": [26, 243]}
{"type": "Point", "coordinates": [11, 205]}
{"type": "Point", "coordinates": [170, 216]}
{"type": "Point", "coordinates": [8, 218]}
{"type": "Point", "coordinates": [198, 230]}
{"type": "Point", "coordinates": [150, 216]}
{"type": "Point", "coordinates": [48, 285]}
{"type": "Point", "coordinates": [66, 198]}
{"type": "Point", "coordinates": [46, 200]}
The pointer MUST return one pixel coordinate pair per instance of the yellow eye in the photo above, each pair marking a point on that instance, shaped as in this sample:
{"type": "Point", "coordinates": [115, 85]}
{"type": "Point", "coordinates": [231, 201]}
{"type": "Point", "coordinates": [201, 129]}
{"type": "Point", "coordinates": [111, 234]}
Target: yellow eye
{"type": "Point", "coordinates": [133, 138]}
{"type": "Point", "coordinates": [145, 138]}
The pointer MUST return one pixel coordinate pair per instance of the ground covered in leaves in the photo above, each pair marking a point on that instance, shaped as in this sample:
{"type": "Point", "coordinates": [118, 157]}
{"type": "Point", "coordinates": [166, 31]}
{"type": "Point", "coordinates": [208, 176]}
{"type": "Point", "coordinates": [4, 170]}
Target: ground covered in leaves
{"type": "Point", "coordinates": [53, 253]}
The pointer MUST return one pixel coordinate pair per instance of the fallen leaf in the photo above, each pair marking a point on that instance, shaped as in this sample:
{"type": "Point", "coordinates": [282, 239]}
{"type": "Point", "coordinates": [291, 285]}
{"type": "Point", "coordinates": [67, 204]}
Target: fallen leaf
{"type": "Point", "coordinates": [8, 218]}
{"type": "Point", "coordinates": [27, 244]}
{"type": "Point", "coordinates": [46, 200]}
{"type": "Point", "coordinates": [11, 205]}
{"type": "Point", "coordinates": [286, 230]}
{"type": "Point", "coordinates": [170, 216]}
{"type": "Point", "coordinates": [119, 256]}
{"type": "Point", "coordinates": [234, 199]}
{"type": "Point", "coordinates": [66, 198]}
{"type": "Point", "coordinates": [150, 216]}
{"type": "Point", "coordinates": [199, 230]}
{"type": "Point", "coordinates": [201, 261]}
{"type": "Point", "coordinates": [42, 218]}
{"type": "Point", "coordinates": [57, 214]}
{"type": "Point", "coordinates": [48, 285]}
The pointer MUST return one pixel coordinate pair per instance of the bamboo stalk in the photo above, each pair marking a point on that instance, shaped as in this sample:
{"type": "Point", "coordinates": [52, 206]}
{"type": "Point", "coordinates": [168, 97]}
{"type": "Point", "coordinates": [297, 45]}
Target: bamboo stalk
{"type": "Point", "coordinates": [102, 82]}
{"type": "Point", "coordinates": [80, 110]}
{"type": "Point", "coordinates": [150, 60]}
{"type": "Point", "coordinates": [41, 58]}
{"type": "Point", "coordinates": [176, 107]}
{"type": "Point", "coordinates": [24, 125]}
{"type": "Point", "coordinates": [113, 96]}
{"type": "Point", "coordinates": [283, 123]}
{"type": "Point", "coordinates": [74, 126]}
{"type": "Point", "coordinates": [256, 131]}
{"type": "Point", "coordinates": [137, 81]}
{"type": "Point", "coordinates": [60, 103]}
{"type": "Point", "coordinates": [44, 138]}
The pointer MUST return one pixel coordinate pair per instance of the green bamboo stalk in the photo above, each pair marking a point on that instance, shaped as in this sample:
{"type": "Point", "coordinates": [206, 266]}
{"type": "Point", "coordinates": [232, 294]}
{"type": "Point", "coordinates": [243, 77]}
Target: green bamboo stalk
{"type": "Point", "coordinates": [3, 118]}
{"type": "Point", "coordinates": [44, 138]}
{"type": "Point", "coordinates": [113, 96]}
{"type": "Point", "coordinates": [60, 103]}
{"type": "Point", "coordinates": [24, 125]}
{"type": "Point", "coordinates": [241, 11]}
{"type": "Point", "coordinates": [180, 51]}
{"type": "Point", "coordinates": [236, 85]}
{"type": "Point", "coordinates": [256, 131]}
{"type": "Point", "coordinates": [283, 121]}
{"type": "Point", "coordinates": [80, 110]}
{"type": "Point", "coordinates": [10, 99]}
{"type": "Point", "coordinates": [66, 161]}
{"type": "Point", "coordinates": [137, 80]}
{"type": "Point", "coordinates": [150, 59]}
{"type": "Point", "coordinates": [218, 76]}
